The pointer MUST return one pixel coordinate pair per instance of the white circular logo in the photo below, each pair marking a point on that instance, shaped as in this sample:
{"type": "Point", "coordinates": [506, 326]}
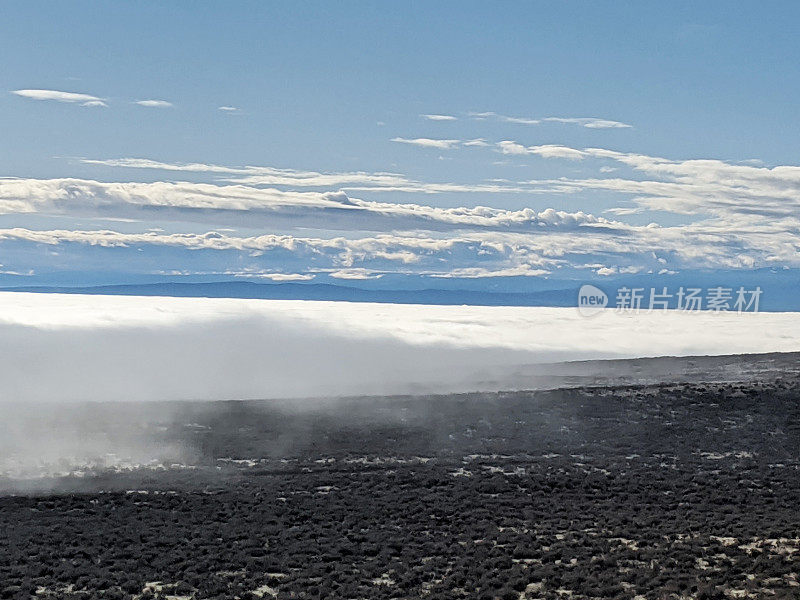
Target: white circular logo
{"type": "Point", "coordinates": [591, 300]}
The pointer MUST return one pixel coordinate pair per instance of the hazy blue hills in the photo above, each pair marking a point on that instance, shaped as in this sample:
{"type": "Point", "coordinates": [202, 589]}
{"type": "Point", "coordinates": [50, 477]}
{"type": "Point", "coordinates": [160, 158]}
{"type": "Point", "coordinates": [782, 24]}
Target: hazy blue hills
{"type": "Point", "coordinates": [779, 293]}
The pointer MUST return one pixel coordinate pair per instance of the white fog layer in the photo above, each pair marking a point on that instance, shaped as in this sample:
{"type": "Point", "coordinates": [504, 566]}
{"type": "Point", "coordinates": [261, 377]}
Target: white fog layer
{"type": "Point", "coordinates": [68, 348]}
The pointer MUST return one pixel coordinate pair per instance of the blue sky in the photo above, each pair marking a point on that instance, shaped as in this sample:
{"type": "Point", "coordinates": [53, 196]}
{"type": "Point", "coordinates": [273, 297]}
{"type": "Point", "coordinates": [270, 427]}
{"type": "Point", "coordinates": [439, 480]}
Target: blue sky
{"type": "Point", "coordinates": [356, 140]}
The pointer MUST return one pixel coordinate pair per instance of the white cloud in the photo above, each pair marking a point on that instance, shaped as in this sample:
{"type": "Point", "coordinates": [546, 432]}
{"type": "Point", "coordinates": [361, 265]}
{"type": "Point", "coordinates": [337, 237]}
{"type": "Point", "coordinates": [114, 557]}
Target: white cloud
{"type": "Point", "coordinates": [738, 216]}
{"type": "Point", "coordinates": [245, 205]}
{"type": "Point", "coordinates": [468, 255]}
{"type": "Point", "coordinates": [439, 117]}
{"type": "Point", "coordinates": [489, 115]}
{"type": "Point", "coordinates": [273, 276]}
{"type": "Point", "coordinates": [588, 122]}
{"type": "Point", "coordinates": [154, 103]}
{"type": "Point", "coordinates": [228, 108]}
{"type": "Point", "coordinates": [521, 120]}
{"type": "Point", "coordinates": [709, 187]}
{"type": "Point", "coordinates": [555, 151]}
{"type": "Point", "coordinates": [428, 142]}
{"type": "Point", "coordinates": [509, 147]}
{"type": "Point", "coordinates": [480, 116]}
{"type": "Point", "coordinates": [482, 272]}
{"type": "Point", "coordinates": [745, 217]}
{"type": "Point", "coordinates": [355, 274]}
{"type": "Point", "coordinates": [606, 271]}
{"type": "Point", "coordinates": [352, 181]}
{"type": "Point", "coordinates": [554, 241]}
{"type": "Point", "coordinates": [259, 175]}
{"type": "Point", "coordinates": [58, 96]}
{"type": "Point", "coordinates": [546, 151]}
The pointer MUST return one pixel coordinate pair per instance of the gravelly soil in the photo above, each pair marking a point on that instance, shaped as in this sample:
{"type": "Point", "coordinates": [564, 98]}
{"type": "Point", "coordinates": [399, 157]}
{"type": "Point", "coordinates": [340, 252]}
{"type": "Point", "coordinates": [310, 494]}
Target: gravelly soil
{"type": "Point", "coordinates": [685, 490]}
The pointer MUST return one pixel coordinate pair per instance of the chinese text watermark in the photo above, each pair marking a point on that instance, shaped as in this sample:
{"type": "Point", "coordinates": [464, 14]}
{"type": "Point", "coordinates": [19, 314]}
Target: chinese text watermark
{"type": "Point", "coordinates": [592, 300]}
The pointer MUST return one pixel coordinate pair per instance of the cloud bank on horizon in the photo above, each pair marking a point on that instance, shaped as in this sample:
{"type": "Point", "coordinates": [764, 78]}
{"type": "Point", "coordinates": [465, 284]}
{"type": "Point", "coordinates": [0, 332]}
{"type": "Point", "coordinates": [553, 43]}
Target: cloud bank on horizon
{"type": "Point", "coordinates": [138, 349]}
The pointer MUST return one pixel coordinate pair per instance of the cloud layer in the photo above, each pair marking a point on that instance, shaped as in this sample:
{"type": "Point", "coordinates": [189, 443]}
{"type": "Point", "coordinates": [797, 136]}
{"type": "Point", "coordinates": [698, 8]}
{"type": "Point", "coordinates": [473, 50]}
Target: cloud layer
{"type": "Point", "coordinates": [692, 187]}
{"type": "Point", "coordinates": [154, 103]}
{"type": "Point", "coordinates": [428, 143]}
{"type": "Point", "coordinates": [741, 217]}
{"type": "Point", "coordinates": [588, 122]}
{"type": "Point", "coordinates": [657, 215]}
{"type": "Point", "coordinates": [58, 96]}
{"type": "Point", "coordinates": [85, 99]}
{"type": "Point", "coordinates": [258, 205]}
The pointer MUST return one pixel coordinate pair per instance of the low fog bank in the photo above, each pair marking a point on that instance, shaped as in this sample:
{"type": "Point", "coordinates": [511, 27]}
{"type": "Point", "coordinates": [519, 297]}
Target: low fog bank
{"type": "Point", "coordinates": [89, 382]}
{"type": "Point", "coordinates": [67, 348]}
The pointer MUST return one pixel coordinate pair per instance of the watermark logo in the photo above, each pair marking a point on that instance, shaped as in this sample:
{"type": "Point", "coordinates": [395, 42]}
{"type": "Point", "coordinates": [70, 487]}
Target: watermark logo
{"type": "Point", "coordinates": [591, 300]}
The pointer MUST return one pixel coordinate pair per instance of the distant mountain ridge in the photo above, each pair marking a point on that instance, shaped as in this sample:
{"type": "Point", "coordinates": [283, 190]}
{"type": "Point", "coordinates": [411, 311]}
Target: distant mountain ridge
{"type": "Point", "coordinates": [779, 295]}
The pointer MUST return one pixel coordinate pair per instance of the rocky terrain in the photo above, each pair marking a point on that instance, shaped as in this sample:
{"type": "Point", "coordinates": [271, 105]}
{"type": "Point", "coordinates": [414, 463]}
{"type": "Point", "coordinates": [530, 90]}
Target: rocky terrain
{"type": "Point", "coordinates": [686, 489]}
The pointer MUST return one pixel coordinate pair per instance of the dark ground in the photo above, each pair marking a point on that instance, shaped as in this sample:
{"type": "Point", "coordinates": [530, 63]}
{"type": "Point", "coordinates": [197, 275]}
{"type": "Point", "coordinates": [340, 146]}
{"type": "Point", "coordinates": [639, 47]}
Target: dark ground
{"type": "Point", "coordinates": [679, 490]}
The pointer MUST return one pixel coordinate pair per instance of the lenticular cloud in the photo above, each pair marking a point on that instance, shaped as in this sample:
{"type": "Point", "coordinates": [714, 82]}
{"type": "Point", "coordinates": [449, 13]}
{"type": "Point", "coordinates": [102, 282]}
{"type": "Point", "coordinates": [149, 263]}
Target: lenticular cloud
{"type": "Point", "coordinates": [69, 348]}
